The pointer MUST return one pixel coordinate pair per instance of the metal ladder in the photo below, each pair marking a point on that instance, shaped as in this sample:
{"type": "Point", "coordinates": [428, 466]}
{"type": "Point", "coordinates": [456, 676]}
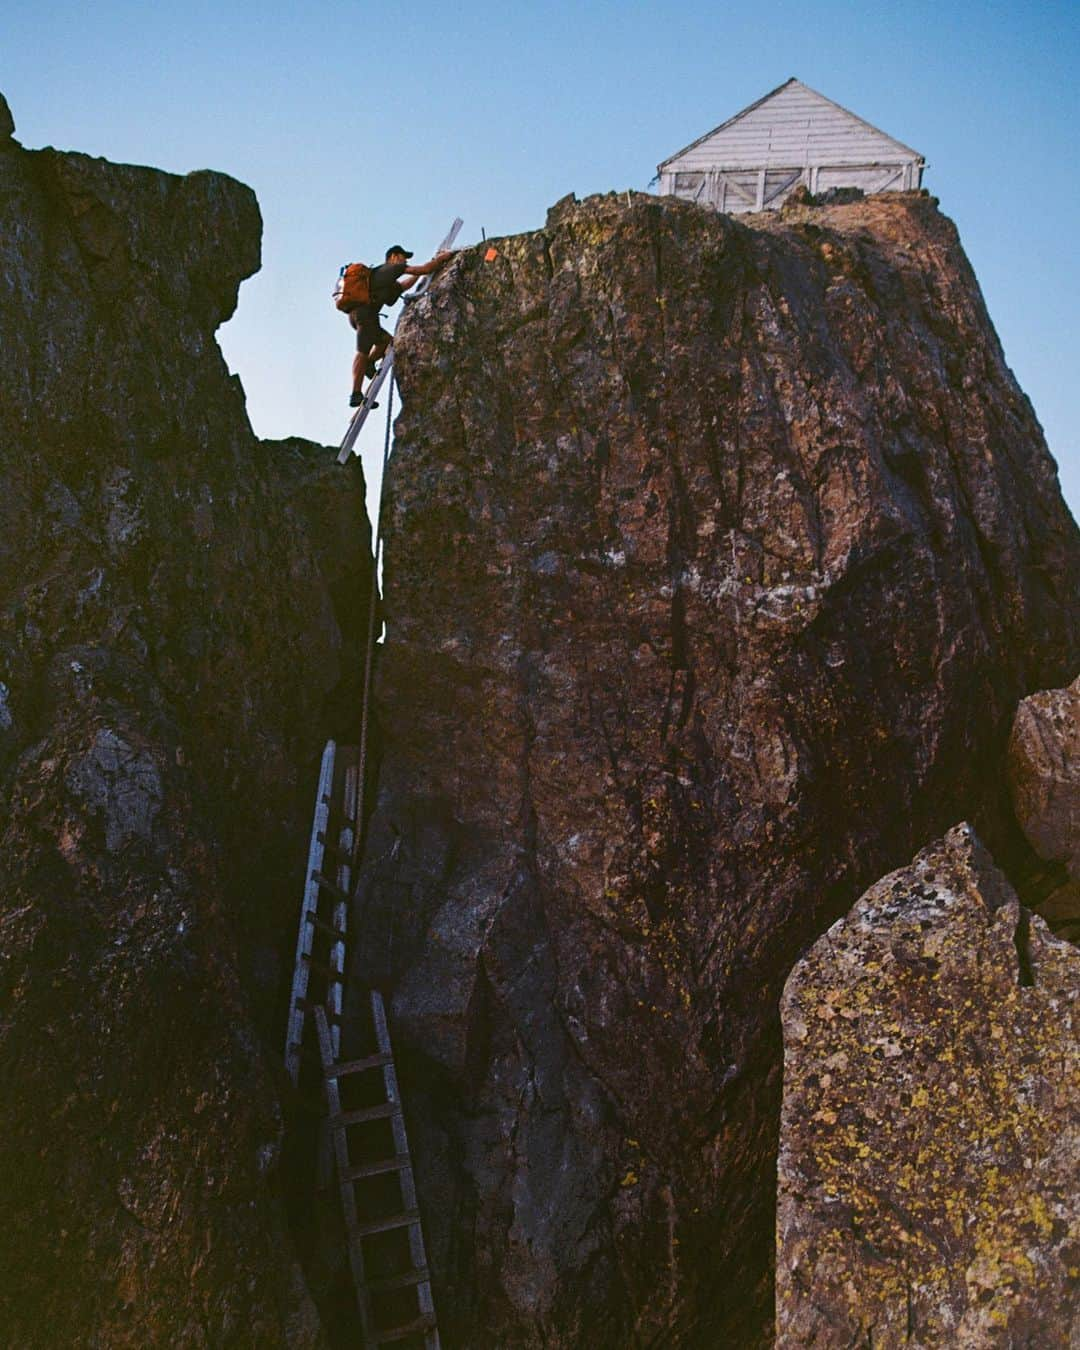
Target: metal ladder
{"type": "Point", "coordinates": [319, 969]}
{"type": "Point", "coordinates": [402, 1280]}
{"type": "Point", "coordinates": [383, 1324]}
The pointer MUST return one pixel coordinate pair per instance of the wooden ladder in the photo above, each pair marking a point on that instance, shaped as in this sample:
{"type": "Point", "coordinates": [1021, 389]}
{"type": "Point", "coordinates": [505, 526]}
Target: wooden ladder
{"type": "Point", "coordinates": [386, 1313]}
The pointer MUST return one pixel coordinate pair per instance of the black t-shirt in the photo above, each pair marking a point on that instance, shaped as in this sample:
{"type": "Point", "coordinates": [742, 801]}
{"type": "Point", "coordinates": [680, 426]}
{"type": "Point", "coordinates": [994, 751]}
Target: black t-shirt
{"type": "Point", "coordinates": [384, 287]}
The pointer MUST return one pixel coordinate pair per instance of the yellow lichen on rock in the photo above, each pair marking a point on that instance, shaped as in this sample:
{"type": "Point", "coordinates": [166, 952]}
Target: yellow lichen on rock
{"type": "Point", "coordinates": [929, 1139]}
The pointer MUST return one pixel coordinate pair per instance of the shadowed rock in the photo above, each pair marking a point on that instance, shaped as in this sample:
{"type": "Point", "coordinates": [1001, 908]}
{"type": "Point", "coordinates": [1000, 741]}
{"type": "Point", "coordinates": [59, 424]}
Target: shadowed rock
{"type": "Point", "coordinates": [180, 615]}
{"type": "Point", "coordinates": [930, 1136]}
{"type": "Point", "coordinates": [1044, 776]}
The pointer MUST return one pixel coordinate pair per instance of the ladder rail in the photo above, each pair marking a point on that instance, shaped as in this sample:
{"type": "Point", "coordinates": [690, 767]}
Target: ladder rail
{"type": "Point", "coordinates": [347, 838]}
{"type": "Point", "coordinates": [417, 1251]}
{"type": "Point", "coordinates": [338, 1122]}
{"type": "Point", "coordinates": [294, 1034]}
{"type": "Point", "coordinates": [359, 417]}
{"type": "Point", "coordinates": [348, 1198]}
{"type": "Point", "coordinates": [448, 242]}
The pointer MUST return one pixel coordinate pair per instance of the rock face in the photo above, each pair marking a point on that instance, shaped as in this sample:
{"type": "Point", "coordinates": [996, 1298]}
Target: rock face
{"type": "Point", "coordinates": [930, 1136]}
{"type": "Point", "coordinates": [1044, 775]}
{"type": "Point", "coordinates": [7, 124]}
{"type": "Point", "coordinates": [180, 615]}
{"type": "Point", "coordinates": [718, 557]}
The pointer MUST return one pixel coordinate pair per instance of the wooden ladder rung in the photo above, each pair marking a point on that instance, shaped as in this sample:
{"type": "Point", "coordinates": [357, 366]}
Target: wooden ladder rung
{"type": "Point", "coordinates": [425, 1323]}
{"type": "Point", "coordinates": [327, 885]}
{"type": "Point", "coordinates": [357, 1065]}
{"type": "Point", "coordinates": [358, 1117]}
{"type": "Point", "coordinates": [327, 928]}
{"type": "Point", "coordinates": [386, 1225]}
{"type": "Point", "coordinates": [398, 1281]}
{"type": "Point", "coordinates": [395, 1164]}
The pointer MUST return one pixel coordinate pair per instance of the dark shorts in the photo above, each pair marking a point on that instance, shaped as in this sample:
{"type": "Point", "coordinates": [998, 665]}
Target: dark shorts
{"type": "Point", "coordinates": [369, 332]}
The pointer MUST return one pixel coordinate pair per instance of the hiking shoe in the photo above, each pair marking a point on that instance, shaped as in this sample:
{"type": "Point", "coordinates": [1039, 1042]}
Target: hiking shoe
{"type": "Point", "coordinates": [370, 371]}
{"type": "Point", "coordinates": [355, 399]}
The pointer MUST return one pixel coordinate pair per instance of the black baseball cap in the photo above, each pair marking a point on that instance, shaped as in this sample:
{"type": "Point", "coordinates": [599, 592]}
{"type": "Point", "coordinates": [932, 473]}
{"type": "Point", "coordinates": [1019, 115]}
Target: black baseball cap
{"type": "Point", "coordinates": [398, 248]}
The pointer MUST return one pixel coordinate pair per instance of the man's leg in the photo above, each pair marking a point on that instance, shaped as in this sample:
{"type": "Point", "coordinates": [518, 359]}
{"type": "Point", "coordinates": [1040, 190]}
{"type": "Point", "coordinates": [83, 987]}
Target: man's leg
{"type": "Point", "coordinates": [372, 342]}
{"type": "Point", "coordinates": [378, 351]}
{"type": "Point", "coordinates": [359, 365]}
{"type": "Point", "coordinates": [366, 331]}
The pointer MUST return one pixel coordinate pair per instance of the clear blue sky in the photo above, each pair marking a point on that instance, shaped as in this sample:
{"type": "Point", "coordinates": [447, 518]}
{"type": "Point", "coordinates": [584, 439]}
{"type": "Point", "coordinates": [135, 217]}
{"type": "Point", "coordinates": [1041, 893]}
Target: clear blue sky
{"type": "Point", "coordinates": [356, 132]}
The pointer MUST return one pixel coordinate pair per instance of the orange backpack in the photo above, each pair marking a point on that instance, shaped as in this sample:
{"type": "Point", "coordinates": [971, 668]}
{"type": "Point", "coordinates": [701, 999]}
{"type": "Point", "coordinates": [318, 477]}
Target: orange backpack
{"type": "Point", "coordinates": [353, 287]}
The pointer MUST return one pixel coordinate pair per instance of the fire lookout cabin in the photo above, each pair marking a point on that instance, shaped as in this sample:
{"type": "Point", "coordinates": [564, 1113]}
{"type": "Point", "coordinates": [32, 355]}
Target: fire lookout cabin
{"type": "Point", "coordinates": [753, 161]}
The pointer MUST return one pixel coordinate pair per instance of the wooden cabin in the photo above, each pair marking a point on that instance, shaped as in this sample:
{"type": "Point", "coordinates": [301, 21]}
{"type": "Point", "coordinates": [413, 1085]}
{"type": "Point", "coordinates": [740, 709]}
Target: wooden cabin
{"type": "Point", "coordinates": [794, 135]}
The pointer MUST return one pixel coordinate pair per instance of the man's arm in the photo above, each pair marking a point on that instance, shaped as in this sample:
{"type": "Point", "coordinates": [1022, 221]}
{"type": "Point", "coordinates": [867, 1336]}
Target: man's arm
{"type": "Point", "coordinates": [415, 270]}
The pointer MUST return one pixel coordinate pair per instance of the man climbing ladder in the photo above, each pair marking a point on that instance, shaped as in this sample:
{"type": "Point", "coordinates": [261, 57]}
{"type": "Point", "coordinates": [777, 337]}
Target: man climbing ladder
{"type": "Point", "coordinates": [385, 286]}
{"type": "Point", "coordinates": [354, 288]}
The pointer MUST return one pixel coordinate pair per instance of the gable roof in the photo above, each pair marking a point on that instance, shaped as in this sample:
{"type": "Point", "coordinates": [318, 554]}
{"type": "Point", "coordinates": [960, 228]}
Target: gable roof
{"type": "Point", "coordinates": [791, 84]}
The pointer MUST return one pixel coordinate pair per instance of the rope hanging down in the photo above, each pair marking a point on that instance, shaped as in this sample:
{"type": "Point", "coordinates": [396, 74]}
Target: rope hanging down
{"type": "Point", "coordinates": [369, 654]}
{"type": "Point", "coordinates": [386, 373]}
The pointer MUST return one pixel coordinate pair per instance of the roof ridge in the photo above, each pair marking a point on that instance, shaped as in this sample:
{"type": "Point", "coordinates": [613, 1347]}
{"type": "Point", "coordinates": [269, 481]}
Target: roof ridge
{"type": "Point", "coordinates": [792, 79]}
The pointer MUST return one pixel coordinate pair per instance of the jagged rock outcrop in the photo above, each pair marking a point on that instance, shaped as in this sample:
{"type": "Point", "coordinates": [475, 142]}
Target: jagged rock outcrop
{"type": "Point", "coordinates": [181, 609]}
{"type": "Point", "coordinates": [718, 556]}
{"type": "Point", "coordinates": [7, 124]}
{"type": "Point", "coordinates": [1044, 775]}
{"type": "Point", "coordinates": [930, 1136]}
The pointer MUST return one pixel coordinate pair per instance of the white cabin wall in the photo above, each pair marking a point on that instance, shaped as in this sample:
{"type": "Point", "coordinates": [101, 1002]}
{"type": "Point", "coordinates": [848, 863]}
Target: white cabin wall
{"type": "Point", "coordinates": [869, 177]}
{"type": "Point", "coordinates": [739, 192]}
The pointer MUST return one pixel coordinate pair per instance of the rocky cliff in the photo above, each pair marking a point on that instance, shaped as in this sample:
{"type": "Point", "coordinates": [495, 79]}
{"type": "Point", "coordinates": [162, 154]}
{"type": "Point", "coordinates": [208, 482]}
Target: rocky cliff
{"type": "Point", "coordinates": [718, 557]}
{"type": "Point", "coordinates": [181, 609]}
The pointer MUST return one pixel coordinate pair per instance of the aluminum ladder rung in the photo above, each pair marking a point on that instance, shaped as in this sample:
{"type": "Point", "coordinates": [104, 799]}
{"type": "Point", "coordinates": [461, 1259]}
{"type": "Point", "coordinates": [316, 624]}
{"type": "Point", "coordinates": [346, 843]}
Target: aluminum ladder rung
{"type": "Point", "coordinates": [405, 1219]}
{"type": "Point", "coordinates": [357, 1065]}
{"type": "Point", "coordinates": [327, 972]}
{"type": "Point", "coordinates": [342, 855]}
{"type": "Point", "coordinates": [304, 1004]}
{"type": "Point", "coordinates": [326, 884]}
{"type": "Point", "coordinates": [328, 928]}
{"type": "Point", "coordinates": [343, 1119]}
{"type": "Point", "coordinates": [403, 1281]}
{"type": "Point", "coordinates": [425, 1323]}
{"type": "Point", "coordinates": [395, 1164]}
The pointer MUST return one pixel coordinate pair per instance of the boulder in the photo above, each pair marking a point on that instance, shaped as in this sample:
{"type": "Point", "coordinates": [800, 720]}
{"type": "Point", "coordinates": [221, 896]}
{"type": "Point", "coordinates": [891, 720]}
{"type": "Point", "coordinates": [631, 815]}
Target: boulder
{"type": "Point", "coordinates": [930, 1134]}
{"type": "Point", "coordinates": [1043, 766]}
{"type": "Point", "coordinates": [1044, 774]}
